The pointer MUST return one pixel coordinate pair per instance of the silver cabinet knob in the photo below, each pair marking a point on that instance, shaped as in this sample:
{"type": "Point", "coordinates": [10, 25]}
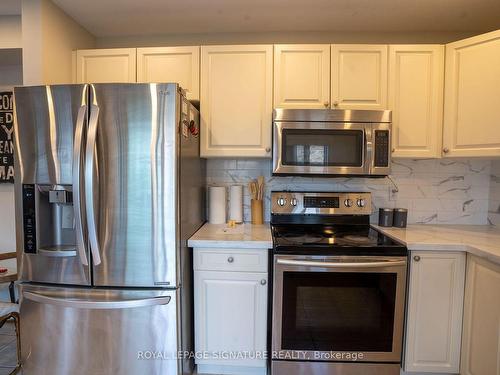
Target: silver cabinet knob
{"type": "Point", "coordinates": [416, 258]}
{"type": "Point", "coordinates": [446, 150]}
{"type": "Point", "coordinates": [230, 260]}
{"type": "Point", "coordinates": [326, 104]}
{"type": "Point", "coordinates": [263, 282]}
{"type": "Point", "coordinates": [268, 149]}
{"type": "Point", "coordinates": [361, 202]}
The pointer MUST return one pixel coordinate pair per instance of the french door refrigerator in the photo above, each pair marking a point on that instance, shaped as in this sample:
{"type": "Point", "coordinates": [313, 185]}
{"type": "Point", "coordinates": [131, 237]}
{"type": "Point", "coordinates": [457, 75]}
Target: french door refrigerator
{"type": "Point", "coordinates": [109, 186]}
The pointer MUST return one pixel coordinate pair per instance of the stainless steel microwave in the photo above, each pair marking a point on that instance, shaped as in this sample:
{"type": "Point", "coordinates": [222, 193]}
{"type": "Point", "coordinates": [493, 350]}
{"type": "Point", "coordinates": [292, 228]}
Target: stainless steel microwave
{"type": "Point", "coordinates": [331, 142]}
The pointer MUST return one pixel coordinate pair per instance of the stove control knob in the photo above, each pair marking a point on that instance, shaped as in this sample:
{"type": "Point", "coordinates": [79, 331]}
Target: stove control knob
{"type": "Point", "coordinates": [293, 201]}
{"type": "Point", "coordinates": [281, 201]}
{"type": "Point", "coordinates": [348, 203]}
{"type": "Point", "coordinates": [361, 202]}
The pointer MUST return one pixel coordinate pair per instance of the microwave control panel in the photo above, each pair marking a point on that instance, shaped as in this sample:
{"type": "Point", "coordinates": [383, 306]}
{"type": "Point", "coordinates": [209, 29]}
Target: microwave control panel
{"type": "Point", "coordinates": [382, 148]}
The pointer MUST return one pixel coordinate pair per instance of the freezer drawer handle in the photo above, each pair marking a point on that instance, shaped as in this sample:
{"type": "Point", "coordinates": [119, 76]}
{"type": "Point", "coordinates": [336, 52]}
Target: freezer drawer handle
{"type": "Point", "coordinates": [89, 179]}
{"type": "Point", "coordinates": [97, 305]}
{"type": "Point", "coordinates": [77, 181]}
{"type": "Point", "coordinates": [308, 263]}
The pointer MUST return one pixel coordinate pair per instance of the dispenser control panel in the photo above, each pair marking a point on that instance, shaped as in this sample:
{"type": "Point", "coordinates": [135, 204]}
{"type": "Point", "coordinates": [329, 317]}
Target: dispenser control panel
{"type": "Point", "coordinates": [29, 219]}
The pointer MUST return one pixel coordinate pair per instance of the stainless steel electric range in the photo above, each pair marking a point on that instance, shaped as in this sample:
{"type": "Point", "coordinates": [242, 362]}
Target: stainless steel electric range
{"type": "Point", "coordinates": [339, 287]}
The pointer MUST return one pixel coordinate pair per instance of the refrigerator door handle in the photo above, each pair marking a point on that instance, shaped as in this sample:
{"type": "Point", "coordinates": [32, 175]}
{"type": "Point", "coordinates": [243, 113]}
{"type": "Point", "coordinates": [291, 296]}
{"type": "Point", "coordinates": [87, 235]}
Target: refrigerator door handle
{"type": "Point", "coordinates": [77, 180]}
{"type": "Point", "coordinates": [89, 180]}
{"type": "Point", "coordinates": [94, 305]}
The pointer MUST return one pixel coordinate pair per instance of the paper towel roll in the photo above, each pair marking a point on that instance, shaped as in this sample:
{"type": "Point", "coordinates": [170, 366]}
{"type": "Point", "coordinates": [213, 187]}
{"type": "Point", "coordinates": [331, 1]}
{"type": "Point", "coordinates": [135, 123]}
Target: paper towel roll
{"type": "Point", "coordinates": [236, 203]}
{"type": "Point", "coordinates": [217, 205]}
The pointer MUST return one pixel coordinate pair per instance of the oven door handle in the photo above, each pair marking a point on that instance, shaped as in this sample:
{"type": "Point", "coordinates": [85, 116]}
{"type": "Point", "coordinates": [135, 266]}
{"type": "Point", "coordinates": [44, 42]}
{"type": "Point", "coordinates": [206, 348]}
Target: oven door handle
{"type": "Point", "coordinates": [309, 263]}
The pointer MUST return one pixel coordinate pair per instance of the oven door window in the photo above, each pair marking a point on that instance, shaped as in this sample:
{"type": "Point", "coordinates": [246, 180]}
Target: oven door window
{"type": "Point", "coordinates": [322, 147]}
{"type": "Point", "coordinates": [338, 311]}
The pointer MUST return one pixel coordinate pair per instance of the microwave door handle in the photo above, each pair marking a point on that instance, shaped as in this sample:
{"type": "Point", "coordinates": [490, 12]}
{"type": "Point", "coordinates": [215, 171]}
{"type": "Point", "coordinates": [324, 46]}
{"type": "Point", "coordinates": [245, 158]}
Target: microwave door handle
{"type": "Point", "coordinates": [368, 149]}
{"type": "Point", "coordinates": [89, 181]}
{"type": "Point", "coordinates": [309, 263]}
{"type": "Point", "coordinates": [77, 179]}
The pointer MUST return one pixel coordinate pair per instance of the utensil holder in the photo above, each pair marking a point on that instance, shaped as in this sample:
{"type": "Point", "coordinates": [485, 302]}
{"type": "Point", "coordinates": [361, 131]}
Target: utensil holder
{"type": "Point", "coordinates": [257, 211]}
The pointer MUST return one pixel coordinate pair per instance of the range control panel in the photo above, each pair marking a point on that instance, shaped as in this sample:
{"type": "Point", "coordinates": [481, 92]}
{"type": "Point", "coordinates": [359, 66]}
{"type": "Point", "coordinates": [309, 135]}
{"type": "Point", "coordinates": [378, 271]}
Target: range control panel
{"type": "Point", "coordinates": [291, 202]}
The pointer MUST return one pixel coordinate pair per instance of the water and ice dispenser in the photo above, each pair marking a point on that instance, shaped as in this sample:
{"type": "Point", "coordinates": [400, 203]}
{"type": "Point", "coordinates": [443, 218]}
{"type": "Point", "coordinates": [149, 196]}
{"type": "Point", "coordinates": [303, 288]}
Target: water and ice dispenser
{"type": "Point", "coordinates": [49, 225]}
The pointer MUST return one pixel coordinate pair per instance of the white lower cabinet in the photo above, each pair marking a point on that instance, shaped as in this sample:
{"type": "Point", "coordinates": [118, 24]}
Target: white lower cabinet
{"type": "Point", "coordinates": [481, 334]}
{"type": "Point", "coordinates": [435, 310]}
{"type": "Point", "coordinates": [230, 304]}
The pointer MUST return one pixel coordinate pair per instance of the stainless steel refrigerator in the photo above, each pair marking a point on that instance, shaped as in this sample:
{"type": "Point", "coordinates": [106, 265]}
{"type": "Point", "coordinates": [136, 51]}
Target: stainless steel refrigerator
{"type": "Point", "coordinates": [109, 186]}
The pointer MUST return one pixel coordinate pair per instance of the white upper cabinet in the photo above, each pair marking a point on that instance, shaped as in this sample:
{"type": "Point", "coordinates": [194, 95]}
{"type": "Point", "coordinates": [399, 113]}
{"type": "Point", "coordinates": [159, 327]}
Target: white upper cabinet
{"type": "Point", "coordinates": [171, 64]}
{"type": "Point", "coordinates": [416, 77]}
{"type": "Point", "coordinates": [435, 310]}
{"type": "Point", "coordinates": [105, 65]}
{"type": "Point", "coordinates": [302, 76]}
{"type": "Point", "coordinates": [472, 94]}
{"type": "Point", "coordinates": [481, 338]}
{"type": "Point", "coordinates": [236, 100]}
{"type": "Point", "coordinates": [359, 76]}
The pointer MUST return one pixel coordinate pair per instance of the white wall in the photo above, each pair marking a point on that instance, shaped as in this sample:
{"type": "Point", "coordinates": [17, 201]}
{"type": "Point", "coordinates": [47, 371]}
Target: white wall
{"type": "Point", "coordinates": [10, 32]}
{"type": "Point", "coordinates": [281, 37]}
{"type": "Point", "coordinates": [49, 36]}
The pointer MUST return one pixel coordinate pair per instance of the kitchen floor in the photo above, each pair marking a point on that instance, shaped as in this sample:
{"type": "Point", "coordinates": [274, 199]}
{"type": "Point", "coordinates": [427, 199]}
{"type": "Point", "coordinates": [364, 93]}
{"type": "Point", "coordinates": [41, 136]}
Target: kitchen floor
{"type": "Point", "coordinates": [7, 348]}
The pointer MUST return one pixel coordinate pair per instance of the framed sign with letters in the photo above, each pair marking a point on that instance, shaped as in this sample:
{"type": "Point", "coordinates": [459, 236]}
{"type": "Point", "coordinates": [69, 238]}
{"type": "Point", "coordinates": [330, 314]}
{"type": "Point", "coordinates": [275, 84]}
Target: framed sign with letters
{"type": "Point", "coordinates": [6, 137]}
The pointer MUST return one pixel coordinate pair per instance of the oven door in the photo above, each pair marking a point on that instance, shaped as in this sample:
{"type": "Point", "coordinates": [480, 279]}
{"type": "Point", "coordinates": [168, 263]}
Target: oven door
{"type": "Point", "coordinates": [320, 148]}
{"type": "Point", "coordinates": [332, 308]}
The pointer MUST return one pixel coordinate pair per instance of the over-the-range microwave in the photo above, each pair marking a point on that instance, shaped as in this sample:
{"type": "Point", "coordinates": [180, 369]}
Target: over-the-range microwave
{"type": "Point", "coordinates": [331, 142]}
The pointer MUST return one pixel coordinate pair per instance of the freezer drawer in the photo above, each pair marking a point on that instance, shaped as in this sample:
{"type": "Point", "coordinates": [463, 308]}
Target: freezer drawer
{"type": "Point", "coordinates": [101, 332]}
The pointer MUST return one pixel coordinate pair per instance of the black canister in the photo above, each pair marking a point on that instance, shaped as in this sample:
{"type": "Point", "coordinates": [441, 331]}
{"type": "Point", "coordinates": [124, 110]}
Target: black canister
{"type": "Point", "coordinates": [385, 217]}
{"type": "Point", "coordinates": [400, 217]}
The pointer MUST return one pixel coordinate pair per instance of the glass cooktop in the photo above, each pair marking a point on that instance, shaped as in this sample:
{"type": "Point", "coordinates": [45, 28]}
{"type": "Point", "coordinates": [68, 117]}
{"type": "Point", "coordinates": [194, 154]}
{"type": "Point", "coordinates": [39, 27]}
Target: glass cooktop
{"type": "Point", "coordinates": [333, 239]}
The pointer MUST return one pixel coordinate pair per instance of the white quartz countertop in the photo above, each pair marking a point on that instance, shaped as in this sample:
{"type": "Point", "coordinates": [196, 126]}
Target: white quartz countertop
{"type": "Point", "coordinates": [245, 236]}
{"type": "Point", "coordinates": [480, 240]}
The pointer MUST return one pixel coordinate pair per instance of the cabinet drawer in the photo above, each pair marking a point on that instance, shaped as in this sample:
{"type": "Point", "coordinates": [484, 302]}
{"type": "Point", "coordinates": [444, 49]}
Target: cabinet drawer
{"type": "Point", "coordinates": [251, 260]}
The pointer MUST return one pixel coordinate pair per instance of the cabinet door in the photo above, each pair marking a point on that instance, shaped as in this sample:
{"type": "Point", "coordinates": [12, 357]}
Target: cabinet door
{"type": "Point", "coordinates": [302, 76]}
{"type": "Point", "coordinates": [236, 101]}
{"type": "Point", "coordinates": [435, 307]}
{"type": "Point", "coordinates": [416, 76]}
{"type": "Point", "coordinates": [472, 89]}
{"type": "Point", "coordinates": [171, 64]}
{"type": "Point", "coordinates": [359, 76]}
{"type": "Point", "coordinates": [230, 315]}
{"type": "Point", "coordinates": [105, 65]}
{"type": "Point", "coordinates": [481, 338]}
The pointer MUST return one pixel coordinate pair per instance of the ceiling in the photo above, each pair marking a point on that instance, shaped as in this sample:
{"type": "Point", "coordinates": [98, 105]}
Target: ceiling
{"type": "Point", "coordinates": [10, 7]}
{"type": "Point", "coordinates": [109, 18]}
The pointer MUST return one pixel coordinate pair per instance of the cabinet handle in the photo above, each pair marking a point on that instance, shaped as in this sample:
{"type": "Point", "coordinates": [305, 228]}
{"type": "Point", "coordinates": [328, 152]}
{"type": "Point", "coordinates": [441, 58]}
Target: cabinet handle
{"type": "Point", "coordinates": [416, 258]}
{"type": "Point", "coordinates": [335, 103]}
{"type": "Point", "coordinates": [268, 149]}
{"type": "Point", "coordinates": [326, 104]}
{"type": "Point", "coordinates": [393, 150]}
{"type": "Point", "coordinates": [230, 260]}
{"type": "Point", "coordinates": [263, 282]}
{"type": "Point", "coordinates": [446, 150]}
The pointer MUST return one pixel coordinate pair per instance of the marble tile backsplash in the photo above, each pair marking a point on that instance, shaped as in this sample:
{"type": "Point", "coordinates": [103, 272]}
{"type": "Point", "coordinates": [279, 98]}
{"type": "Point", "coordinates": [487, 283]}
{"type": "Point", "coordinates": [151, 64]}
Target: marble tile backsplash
{"type": "Point", "coordinates": [435, 191]}
{"type": "Point", "coordinates": [494, 208]}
